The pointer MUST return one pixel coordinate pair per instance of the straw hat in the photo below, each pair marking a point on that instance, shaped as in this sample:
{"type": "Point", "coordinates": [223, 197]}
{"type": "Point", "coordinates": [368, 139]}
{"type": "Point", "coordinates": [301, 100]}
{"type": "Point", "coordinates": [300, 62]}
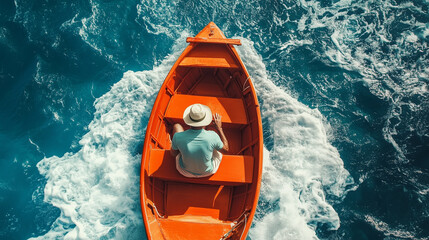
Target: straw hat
{"type": "Point", "coordinates": [197, 115]}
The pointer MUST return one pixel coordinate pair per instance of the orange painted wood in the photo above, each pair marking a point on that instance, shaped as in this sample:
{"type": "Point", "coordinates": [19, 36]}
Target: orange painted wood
{"type": "Point", "coordinates": [207, 62]}
{"type": "Point", "coordinates": [179, 230]}
{"type": "Point", "coordinates": [212, 201]}
{"type": "Point", "coordinates": [233, 170]}
{"type": "Point", "coordinates": [173, 206]}
{"type": "Point", "coordinates": [213, 40]}
{"type": "Point", "coordinates": [231, 109]}
{"type": "Point", "coordinates": [210, 56]}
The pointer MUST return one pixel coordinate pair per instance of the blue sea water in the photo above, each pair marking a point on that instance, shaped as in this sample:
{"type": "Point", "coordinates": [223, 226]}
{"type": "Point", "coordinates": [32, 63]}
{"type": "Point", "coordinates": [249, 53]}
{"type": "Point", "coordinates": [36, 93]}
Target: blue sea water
{"type": "Point", "coordinates": [343, 88]}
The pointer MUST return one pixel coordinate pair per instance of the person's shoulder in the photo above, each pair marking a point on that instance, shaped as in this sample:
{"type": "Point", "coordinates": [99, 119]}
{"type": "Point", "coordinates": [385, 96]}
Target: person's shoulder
{"type": "Point", "coordinates": [211, 133]}
{"type": "Point", "coordinates": [179, 134]}
{"type": "Point", "coordinates": [185, 133]}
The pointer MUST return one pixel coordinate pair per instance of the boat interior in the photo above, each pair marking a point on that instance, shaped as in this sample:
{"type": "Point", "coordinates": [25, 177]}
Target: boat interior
{"type": "Point", "coordinates": [218, 204]}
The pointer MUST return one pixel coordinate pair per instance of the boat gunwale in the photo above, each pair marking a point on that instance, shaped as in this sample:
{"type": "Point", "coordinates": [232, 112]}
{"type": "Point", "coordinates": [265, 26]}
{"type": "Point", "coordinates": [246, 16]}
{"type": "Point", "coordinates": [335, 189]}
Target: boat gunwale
{"type": "Point", "coordinates": [150, 128]}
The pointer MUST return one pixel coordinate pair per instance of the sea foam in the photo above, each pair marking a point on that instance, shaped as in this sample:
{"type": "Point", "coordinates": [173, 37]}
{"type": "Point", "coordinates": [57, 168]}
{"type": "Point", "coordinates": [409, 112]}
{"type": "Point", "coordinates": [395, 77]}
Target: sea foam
{"type": "Point", "coordinates": [391, 62]}
{"type": "Point", "coordinates": [97, 188]}
{"type": "Point", "coordinates": [301, 168]}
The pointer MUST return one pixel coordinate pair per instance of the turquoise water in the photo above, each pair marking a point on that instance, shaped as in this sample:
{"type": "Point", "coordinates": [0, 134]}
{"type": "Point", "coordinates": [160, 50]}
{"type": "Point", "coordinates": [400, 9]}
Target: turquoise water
{"type": "Point", "coordinates": [343, 88]}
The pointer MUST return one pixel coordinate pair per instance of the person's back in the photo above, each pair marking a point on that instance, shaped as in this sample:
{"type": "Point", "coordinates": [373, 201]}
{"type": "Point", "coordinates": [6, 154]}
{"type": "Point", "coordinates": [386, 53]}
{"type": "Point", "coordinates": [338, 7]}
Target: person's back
{"type": "Point", "coordinates": [196, 149]}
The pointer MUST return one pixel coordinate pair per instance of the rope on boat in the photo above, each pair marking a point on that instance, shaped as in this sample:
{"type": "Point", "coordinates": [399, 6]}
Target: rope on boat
{"type": "Point", "coordinates": [244, 85]}
{"type": "Point", "coordinates": [156, 209]}
{"type": "Point", "coordinates": [245, 224]}
{"type": "Point", "coordinates": [236, 225]}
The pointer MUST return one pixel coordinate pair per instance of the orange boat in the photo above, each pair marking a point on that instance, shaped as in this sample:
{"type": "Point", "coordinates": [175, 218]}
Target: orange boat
{"type": "Point", "coordinates": [221, 206]}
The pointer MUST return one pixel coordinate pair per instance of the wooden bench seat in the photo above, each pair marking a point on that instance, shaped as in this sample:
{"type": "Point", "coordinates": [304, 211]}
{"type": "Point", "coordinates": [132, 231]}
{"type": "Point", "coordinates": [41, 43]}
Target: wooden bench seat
{"type": "Point", "coordinates": [231, 109]}
{"type": "Point", "coordinates": [210, 55]}
{"type": "Point", "coordinates": [207, 62]}
{"type": "Point", "coordinates": [233, 170]}
{"type": "Point", "coordinates": [213, 40]}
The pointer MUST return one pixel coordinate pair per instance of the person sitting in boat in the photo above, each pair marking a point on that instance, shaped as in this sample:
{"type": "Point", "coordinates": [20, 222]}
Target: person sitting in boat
{"type": "Point", "coordinates": [197, 149]}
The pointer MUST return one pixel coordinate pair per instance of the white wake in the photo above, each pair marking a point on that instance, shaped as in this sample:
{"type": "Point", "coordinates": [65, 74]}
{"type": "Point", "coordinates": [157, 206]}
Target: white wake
{"type": "Point", "coordinates": [97, 188]}
{"type": "Point", "coordinates": [301, 168]}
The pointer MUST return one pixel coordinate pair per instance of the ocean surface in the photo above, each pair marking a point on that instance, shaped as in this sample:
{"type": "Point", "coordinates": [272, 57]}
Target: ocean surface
{"type": "Point", "coordinates": [343, 89]}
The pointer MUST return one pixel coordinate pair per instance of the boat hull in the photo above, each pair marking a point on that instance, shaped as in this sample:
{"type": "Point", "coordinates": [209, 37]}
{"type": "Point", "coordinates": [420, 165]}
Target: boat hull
{"type": "Point", "coordinates": [221, 206]}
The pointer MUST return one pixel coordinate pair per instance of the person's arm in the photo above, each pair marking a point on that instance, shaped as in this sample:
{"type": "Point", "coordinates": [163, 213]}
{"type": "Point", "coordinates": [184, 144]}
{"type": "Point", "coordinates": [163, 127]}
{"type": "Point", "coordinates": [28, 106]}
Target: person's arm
{"type": "Point", "coordinates": [174, 152]}
{"type": "Point", "coordinates": [176, 128]}
{"type": "Point", "coordinates": [218, 124]}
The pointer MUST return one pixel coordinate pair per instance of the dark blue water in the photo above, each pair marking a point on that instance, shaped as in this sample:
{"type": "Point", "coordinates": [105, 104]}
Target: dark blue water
{"type": "Point", "coordinates": [343, 87]}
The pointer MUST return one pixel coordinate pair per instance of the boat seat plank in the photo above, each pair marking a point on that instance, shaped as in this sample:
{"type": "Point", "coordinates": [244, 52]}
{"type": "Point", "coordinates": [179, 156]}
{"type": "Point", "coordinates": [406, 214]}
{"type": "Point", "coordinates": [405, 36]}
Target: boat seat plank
{"type": "Point", "coordinates": [178, 230]}
{"type": "Point", "coordinates": [231, 109]}
{"type": "Point", "coordinates": [210, 56]}
{"type": "Point", "coordinates": [213, 40]}
{"type": "Point", "coordinates": [233, 170]}
{"type": "Point", "coordinates": [207, 62]}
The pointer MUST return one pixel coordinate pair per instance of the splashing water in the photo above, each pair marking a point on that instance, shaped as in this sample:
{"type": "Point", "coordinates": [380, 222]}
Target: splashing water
{"type": "Point", "coordinates": [98, 197]}
{"type": "Point", "coordinates": [334, 78]}
{"type": "Point", "coordinates": [301, 168]}
{"type": "Point", "coordinates": [96, 188]}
